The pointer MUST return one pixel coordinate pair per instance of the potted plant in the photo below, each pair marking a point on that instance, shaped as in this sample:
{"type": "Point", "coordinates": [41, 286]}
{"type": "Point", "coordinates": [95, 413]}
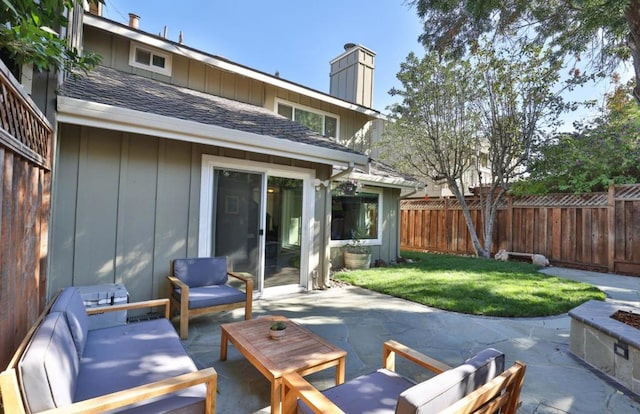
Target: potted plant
{"type": "Point", "coordinates": [348, 188]}
{"type": "Point", "coordinates": [277, 329]}
{"type": "Point", "coordinates": [356, 255]}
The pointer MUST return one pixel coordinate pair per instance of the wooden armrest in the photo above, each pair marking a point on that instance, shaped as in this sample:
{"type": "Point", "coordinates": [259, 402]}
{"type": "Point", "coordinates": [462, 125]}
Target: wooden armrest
{"type": "Point", "coordinates": [177, 282]}
{"type": "Point", "coordinates": [294, 386]}
{"type": "Point", "coordinates": [248, 280]}
{"type": "Point", "coordinates": [133, 305]}
{"type": "Point", "coordinates": [391, 347]}
{"type": "Point", "coordinates": [490, 397]}
{"type": "Point", "coordinates": [145, 392]}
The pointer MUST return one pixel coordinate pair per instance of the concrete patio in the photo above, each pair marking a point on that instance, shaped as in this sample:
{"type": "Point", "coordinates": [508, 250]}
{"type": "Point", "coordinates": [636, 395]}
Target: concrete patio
{"type": "Point", "coordinates": [359, 321]}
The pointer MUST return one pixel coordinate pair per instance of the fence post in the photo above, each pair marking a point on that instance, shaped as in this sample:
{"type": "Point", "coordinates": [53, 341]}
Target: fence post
{"type": "Point", "coordinates": [611, 224]}
{"type": "Point", "coordinates": [509, 223]}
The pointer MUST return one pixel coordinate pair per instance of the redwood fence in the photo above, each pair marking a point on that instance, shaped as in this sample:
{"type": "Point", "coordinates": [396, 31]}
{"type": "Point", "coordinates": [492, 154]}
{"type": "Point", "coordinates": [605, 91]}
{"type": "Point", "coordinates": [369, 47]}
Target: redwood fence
{"type": "Point", "coordinates": [26, 138]}
{"type": "Point", "coordinates": [598, 231]}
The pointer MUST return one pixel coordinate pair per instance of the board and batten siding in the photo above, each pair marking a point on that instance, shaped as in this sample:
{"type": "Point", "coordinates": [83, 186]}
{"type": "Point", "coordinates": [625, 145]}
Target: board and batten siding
{"type": "Point", "coordinates": [197, 75]}
{"type": "Point", "coordinates": [127, 204]}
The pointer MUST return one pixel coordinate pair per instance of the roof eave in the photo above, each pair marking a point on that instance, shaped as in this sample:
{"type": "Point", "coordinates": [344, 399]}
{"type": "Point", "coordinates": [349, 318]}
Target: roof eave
{"type": "Point", "coordinates": [87, 113]}
{"type": "Point", "coordinates": [222, 63]}
{"type": "Point", "coordinates": [390, 182]}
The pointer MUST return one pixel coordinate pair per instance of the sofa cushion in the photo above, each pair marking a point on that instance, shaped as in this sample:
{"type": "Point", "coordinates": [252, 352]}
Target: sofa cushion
{"type": "Point", "coordinates": [372, 393]}
{"type": "Point", "coordinates": [49, 366]}
{"type": "Point", "coordinates": [125, 356]}
{"type": "Point", "coordinates": [71, 305]}
{"type": "Point", "coordinates": [201, 271]}
{"type": "Point", "coordinates": [441, 391]}
{"type": "Point", "coordinates": [204, 296]}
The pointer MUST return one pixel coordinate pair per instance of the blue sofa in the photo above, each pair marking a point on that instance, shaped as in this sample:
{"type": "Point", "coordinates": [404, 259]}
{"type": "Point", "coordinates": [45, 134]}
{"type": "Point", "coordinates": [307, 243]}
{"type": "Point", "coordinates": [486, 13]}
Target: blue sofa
{"type": "Point", "coordinates": [138, 367]}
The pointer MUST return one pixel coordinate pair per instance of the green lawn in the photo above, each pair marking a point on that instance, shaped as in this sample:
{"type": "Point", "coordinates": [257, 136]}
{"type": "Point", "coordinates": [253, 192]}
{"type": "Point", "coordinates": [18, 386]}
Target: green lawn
{"type": "Point", "coordinates": [474, 286]}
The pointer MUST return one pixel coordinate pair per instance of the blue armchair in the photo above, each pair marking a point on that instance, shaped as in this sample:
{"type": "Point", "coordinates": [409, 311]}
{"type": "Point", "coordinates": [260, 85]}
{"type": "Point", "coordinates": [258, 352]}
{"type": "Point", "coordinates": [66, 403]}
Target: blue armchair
{"type": "Point", "coordinates": [199, 286]}
{"type": "Point", "coordinates": [480, 384]}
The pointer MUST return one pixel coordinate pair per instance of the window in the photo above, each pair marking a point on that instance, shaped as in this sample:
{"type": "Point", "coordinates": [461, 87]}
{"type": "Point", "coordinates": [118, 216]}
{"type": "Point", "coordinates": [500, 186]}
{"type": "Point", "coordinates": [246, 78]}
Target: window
{"type": "Point", "coordinates": [359, 213]}
{"type": "Point", "coordinates": [323, 123]}
{"type": "Point", "coordinates": [150, 59]}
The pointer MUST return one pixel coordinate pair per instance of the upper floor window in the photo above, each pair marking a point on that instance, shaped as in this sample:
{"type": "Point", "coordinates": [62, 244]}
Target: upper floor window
{"type": "Point", "coordinates": [150, 59]}
{"type": "Point", "coordinates": [322, 122]}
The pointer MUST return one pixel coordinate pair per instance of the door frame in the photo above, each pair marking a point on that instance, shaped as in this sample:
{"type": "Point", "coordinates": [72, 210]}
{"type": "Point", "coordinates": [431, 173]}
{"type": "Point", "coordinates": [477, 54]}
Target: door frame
{"type": "Point", "coordinates": [211, 162]}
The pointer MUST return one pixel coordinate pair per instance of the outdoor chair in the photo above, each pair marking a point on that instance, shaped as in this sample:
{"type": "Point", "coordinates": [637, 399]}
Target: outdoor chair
{"type": "Point", "coordinates": [199, 286]}
{"type": "Point", "coordinates": [480, 384]}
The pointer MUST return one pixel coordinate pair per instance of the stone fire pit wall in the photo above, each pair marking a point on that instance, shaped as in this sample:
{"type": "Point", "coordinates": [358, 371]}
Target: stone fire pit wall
{"type": "Point", "coordinates": [606, 344]}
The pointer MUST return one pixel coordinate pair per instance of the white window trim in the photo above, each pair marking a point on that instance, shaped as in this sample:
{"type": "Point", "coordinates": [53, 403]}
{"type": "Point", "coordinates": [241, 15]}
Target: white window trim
{"type": "Point", "coordinates": [366, 242]}
{"type": "Point", "coordinates": [308, 260]}
{"type": "Point", "coordinates": [167, 59]}
{"type": "Point", "coordinates": [310, 109]}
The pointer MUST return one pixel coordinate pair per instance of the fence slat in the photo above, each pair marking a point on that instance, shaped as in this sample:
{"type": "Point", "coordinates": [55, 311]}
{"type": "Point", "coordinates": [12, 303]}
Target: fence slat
{"type": "Point", "coordinates": [599, 230]}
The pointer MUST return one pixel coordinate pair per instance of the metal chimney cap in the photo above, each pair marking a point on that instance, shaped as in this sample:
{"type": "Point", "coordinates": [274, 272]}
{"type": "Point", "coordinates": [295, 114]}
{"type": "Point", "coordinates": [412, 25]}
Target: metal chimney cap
{"type": "Point", "coordinates": [348, 46]}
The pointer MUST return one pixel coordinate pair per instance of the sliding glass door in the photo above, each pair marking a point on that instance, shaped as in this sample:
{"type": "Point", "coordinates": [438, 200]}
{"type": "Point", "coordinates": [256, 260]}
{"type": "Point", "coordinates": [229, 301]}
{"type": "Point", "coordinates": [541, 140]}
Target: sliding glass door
{"type": "Point", "coordinates": [236, 228]}
{"type": "Point", "coordinates": [284, 231]}
{"type": "Point", "coordinates": [258, 217]}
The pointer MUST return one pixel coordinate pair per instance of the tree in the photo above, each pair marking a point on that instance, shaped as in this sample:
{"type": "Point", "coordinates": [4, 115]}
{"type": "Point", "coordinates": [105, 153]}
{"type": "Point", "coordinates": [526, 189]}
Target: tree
{"type": "Point", "coordinates": [605, 32]}
{"type": "Point", "coordinates": [28, 35]}
{"type": "Point", "coordinates": [452, 110]}
{"type": "Point", "coordinates": [603, 151]}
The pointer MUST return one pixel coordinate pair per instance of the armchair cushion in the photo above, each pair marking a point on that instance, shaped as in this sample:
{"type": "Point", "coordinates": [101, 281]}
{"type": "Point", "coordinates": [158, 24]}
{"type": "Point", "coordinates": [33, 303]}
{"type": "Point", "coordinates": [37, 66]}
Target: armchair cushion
{"type": "Point", "coordinates": [443, 390]}
{"type": "Point", "coordinates": [201, 271]}
{"type": "Point", "coordinates": [72, 306]}
{"type": "Point", "coordinates": [114, 353]}
{"type": "Point", "coordinates": [376, 392]}
{"type": "Point", "coordinates": [205, 296]}
{"type": "Point", "coordinates": [49, 367]}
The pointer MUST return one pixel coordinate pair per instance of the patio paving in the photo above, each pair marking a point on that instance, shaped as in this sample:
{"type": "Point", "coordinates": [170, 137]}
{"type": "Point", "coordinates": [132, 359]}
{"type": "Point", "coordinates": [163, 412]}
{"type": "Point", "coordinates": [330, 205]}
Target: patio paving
{"type": "Point", "coordinates": [359, 321]}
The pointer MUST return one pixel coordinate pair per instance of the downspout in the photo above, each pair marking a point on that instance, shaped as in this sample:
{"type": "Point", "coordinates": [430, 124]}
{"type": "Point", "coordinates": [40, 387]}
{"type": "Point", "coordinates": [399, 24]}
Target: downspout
{"type": "Point", "coordinates": [341, 173]}
{"type": "Point", "coordinates": [415, 190]}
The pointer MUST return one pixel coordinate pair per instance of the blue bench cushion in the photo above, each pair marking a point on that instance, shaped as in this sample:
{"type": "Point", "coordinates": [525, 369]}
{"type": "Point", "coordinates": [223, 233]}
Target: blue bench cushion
{"type": "Point", "coordinates": [71, 305]}
{"type": "Point", "coordinates": [126, 356]}
{"type": "Point", "coordinates": [201, 271]}
{"type": "Point", "coordinates": [374, 393]}
{"type": "Point", "coordinates": [49, 366]}
{"type": "Point", "coordinates": [204, 296]}
{"type": "Point", "coordinates": [441, 391]}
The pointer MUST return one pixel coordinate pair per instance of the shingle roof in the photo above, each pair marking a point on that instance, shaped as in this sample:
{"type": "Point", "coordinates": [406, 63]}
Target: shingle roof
{"type": "Point", "coordinates": [383, 174]}
{"type": "Point", "coordinates": [121, 89]}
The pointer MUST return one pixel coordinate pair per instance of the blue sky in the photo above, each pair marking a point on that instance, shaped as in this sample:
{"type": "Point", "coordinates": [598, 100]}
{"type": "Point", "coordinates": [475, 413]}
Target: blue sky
{"type": "Point", "coordinates": [295, 37]}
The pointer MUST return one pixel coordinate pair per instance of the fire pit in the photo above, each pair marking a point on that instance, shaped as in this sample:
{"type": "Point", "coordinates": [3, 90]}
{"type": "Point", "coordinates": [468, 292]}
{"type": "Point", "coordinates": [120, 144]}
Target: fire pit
{"type": "Point", "coordinates": [603, 335]}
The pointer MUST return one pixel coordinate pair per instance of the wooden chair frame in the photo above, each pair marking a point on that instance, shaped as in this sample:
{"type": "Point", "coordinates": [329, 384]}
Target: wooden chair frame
{"type": "Point", "coordinates": [12, 398]}
{"type": "Point", "coordinates": [185, 313]}
{"type": "Point", "coordinates": [503, 392]}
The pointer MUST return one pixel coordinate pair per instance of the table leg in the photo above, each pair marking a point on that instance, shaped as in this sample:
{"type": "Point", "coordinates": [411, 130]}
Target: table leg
{"type": "Point", "coordinates": [340, 371]}
{"type": "Point", "coordinates": [224, 338]}
{"type": "Point", "coordinates": [276, 390]}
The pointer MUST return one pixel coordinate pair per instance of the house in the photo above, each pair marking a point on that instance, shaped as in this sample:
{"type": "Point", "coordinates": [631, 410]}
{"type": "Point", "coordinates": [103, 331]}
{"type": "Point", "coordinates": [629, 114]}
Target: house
{"type": "Point", "coordinates": [165, 151]}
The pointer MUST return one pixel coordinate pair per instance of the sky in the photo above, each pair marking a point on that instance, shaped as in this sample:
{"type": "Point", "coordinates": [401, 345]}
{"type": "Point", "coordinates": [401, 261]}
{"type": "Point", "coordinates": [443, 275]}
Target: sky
{"type": "Point", "coordinates": [298, 38]}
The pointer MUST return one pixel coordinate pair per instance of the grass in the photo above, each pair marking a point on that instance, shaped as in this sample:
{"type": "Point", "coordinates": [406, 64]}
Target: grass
{"type": "Point", "coordinates": [474, 286]}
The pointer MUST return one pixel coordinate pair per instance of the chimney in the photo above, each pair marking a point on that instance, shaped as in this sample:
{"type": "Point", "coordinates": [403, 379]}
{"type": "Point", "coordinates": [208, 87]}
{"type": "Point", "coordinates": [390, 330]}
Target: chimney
{"type": "Point", "coordinates": [352, 75]}
{"type": "Point", "coordinates": [95, 9]}
{"type": "Point", "coordinates": [134, 21]}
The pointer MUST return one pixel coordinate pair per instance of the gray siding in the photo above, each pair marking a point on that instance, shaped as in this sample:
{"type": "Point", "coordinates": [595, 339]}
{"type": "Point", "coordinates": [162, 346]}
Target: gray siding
{"type": "Point", "coordinates": [125, 205]}
{"type": "Point", "coordinates": [196, 75]}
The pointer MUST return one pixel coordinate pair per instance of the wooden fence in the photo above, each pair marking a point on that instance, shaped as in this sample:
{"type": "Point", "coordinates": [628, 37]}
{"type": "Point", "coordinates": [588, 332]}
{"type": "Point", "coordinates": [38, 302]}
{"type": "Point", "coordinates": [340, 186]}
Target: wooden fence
{"type": "Point", "coordinates": [26, 138]}
{"type": "Point", "coordinates": [599, 231]}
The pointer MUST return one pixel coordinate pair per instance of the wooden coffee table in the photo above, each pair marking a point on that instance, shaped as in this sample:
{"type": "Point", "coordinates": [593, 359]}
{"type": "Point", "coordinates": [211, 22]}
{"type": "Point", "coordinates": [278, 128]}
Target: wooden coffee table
{"type": "Point", "coordinates": [299, 351]}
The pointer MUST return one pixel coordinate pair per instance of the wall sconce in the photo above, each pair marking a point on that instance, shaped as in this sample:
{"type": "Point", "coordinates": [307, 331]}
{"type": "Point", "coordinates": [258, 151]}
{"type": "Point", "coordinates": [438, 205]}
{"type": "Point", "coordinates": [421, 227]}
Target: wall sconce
{"type": "Point", "coordinates": [319, 183]}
